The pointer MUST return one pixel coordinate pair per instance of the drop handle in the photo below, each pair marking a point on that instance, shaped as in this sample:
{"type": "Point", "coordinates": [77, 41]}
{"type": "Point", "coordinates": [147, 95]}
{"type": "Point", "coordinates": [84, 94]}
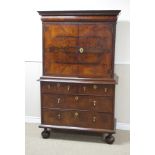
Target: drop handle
{"type": "Point", "coordinates": [68, 87]}
{"type": "Point", "coordinates": [81, 50]}
{"type": "Point", "coordinates": [59, 116]}
{"type": "Point", "coordinates": [48, 86]}
{"type": "Point", "coordinates": [84, 88]}
{"type": "Point", "coordinates": [58, 85]}
{"type": "Point", "coordinates": [58, 100]}
{"type": "Point", "coordinates": [105, 90]}
{"type": "Point", "coordinates": [94, 119]}
{"type": "Point", "coordinates": [94, 103]}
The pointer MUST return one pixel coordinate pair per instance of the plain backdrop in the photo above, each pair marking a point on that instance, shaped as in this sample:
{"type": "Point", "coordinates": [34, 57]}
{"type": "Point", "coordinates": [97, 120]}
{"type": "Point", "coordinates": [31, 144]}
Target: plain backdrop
{"type": "Point", "coordinates": [14, 38]}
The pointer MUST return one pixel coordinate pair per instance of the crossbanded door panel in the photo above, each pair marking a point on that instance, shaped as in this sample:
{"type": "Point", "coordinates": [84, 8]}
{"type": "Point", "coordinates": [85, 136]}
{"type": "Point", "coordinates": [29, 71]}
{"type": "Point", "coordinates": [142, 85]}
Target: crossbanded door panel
{"type": "Point", "coordinates": [60, 49]}
{"type": "Point", "coordinates": [96, 42]}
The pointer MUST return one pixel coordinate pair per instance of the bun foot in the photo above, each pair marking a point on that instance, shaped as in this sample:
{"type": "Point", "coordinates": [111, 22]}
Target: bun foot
{"type": "Point", "coordinates": [109, 139]}
{"type": "Point", "coordinates": [45, 134]}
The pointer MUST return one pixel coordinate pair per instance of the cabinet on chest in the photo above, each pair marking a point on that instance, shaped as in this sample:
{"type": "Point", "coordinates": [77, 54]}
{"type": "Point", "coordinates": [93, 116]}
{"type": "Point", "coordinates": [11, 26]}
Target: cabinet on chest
{"type": "Point", "coordinates": [78, 81]}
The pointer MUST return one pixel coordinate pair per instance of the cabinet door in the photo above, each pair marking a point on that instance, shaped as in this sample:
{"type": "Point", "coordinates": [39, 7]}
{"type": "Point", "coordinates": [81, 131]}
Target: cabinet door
{"type": "Point", "coordinates": [95, 50]}
{"type": "Point", "coordinates": [60, 42]}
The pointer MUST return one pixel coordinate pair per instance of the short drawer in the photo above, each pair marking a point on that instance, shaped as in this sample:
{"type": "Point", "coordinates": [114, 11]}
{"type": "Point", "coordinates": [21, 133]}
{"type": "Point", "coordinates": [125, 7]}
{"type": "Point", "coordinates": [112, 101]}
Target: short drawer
{"type": "Point", "coordinates": [97, 89]}
{"type": "Point", "coordinates": [52, 87]}
{"type": "Point", "coordinates": [77, 118]}
{"type": "Point", "coordinates": [100, 104]}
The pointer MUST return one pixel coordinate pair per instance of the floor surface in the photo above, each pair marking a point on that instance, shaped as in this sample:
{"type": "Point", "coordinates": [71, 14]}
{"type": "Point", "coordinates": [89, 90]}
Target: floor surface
{"type": "Point", "coordinates": [67, 143]}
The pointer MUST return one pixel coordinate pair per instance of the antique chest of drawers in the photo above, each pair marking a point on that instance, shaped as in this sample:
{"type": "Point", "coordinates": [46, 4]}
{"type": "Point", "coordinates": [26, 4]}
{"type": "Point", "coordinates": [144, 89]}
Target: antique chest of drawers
{"type": "Point", "coordinates": [78, 81]}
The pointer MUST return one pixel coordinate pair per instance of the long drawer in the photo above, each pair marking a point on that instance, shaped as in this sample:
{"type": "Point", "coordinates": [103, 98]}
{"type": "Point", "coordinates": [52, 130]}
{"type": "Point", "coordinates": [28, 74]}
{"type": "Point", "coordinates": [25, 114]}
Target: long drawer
{"type": "Point", "coordinates": [77, 118]}
{"type": "Point", "coordinates": [71, 88]}
{"type": "Point", "coordinates": [83, 102]}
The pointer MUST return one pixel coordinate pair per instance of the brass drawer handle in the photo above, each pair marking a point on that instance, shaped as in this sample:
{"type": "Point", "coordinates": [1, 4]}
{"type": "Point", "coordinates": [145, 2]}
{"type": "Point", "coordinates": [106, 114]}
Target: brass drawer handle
{"type": "Point", "coordinates": [58, 100]}
{"type": "Point", "coordinates": [68, 87]}
{"type": "Point", "coordinates": [94, 119]}
{"type": "Point", "coordinates": [95, 87]}
{"type": "Point", "coordinates": [105, 90]}
{"type": "Point", "coordinates": [81, 50]}
{"type": "Point", "coordinates": [58, 85]}
{"type": "Point", "coordinates": [84, 88]}
{"type": "Point", "coordinates": [94, 103]}
{"type": "Point", "coordinates": [76, 98]}
{"type": "Point", "coordinates": [76, 114]}
{"type": "Point", "coordinates": [48, 86]}
{"type": "Point", "coordinates": [59, 116]}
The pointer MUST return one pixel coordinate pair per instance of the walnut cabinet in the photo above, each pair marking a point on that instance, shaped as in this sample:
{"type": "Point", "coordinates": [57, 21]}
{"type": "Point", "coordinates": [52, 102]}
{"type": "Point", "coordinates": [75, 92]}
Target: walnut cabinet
{"type": "Point", "coordinates": [78, 81]}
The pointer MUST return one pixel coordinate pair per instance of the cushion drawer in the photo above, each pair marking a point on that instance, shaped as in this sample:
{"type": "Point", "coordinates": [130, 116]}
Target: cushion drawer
{"type": "Point", "coordinates": [53, 87]}
{"type": "Point", "coordinates": [77, 118]}
{"type": "Point", "coordinates": [96, 89]}
{"type": "Point", "coordinates": [100, 104]}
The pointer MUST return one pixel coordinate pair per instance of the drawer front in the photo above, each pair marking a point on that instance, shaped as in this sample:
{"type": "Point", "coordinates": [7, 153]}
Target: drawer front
{"type": "Point", "coordinates": [100, 104]}
{"type": "Point", "coordinates": [64, 88]}
{"type": "Point", "coordinates": [93, 89]}
{"type": "Point", "coordinates": [77, 119]}
{"type": "Point", "coordinates": [61, 117]}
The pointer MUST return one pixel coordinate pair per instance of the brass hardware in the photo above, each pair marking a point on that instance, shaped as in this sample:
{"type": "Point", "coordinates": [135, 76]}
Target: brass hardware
{"type": "Point", "coordinates": [94, 119]}
{"type": "Point", "coordinates": [81, 50]}
{"type": "Point", "coordinates": [76, 98]}
{"type": "Point", "coordinates": [49, 86]}
{"type": "Point", "coordinates": [59, 116]}
{"type": "Point", "coordinates": [58, 85]}
{"type": "Point", "coordinates": [94, 103]}
{"type": "Point", "coordinates": [95, 86]}
{"type": "Point", "coordinates": [76, 114]}
{"type": "Point", "coordinates": [84, 88]}
{"type": "Point", "coordinates": [68, 87]}
{"type": "Point", "coordinates": [105, 90]}
{"type": "Point", "coordinates": [58, 100]}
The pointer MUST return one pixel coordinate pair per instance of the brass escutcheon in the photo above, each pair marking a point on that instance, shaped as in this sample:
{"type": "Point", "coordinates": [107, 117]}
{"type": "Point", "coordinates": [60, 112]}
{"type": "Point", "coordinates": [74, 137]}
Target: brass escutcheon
{"type": "Point", "coordinates": [76, 114]}
{"type": "Point", "coordinates": [95, 86]}
{"type": "Point", "coordinates": [76, 98]}
{"type": "Point", "coordinates": [81, 50]}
